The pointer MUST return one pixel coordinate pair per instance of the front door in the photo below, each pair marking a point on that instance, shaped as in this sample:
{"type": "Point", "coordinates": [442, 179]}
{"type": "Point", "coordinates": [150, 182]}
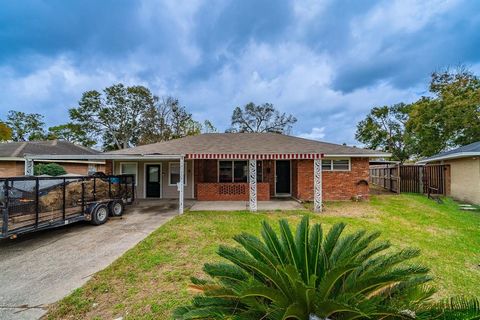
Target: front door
{"type": "Point", "coordinates": [282, 172]}
{"type": "Point", "coordinates": [153, 172]}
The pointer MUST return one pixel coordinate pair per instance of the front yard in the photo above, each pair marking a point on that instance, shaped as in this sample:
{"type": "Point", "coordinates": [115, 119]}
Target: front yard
{"type": "Point", "coordinates": [150, 280]}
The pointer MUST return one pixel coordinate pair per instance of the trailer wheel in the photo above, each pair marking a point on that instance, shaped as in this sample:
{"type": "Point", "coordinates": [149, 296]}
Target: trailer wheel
{"type": "Point", "coordinates": [116, 208]}
{"type": "Point", "coordinates": [100, 215]}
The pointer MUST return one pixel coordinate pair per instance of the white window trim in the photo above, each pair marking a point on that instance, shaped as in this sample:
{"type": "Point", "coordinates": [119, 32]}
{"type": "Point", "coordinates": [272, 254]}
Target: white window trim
{"type": "Point", "coordinates": [337, 170]}
{"type": "Point", "coordinates": [233, 177]}
{"type": "Point", "coordinates": [185, 174]}
{"type": "Point", "coordinates": [136, 170]}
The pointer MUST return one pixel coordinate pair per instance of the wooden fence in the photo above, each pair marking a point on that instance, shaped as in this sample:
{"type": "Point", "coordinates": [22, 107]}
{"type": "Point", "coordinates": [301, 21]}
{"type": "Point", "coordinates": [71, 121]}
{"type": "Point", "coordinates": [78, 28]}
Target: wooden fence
{"type": "Point", "coordinates": [411, 178]}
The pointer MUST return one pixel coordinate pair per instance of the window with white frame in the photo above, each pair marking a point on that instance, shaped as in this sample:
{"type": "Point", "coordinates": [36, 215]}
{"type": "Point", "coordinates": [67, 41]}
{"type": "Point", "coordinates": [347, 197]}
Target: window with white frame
{"type": "Point", "coordinates": [129, 168]}
{"type": "Point", "coordinates": [336, 164]}
{"type": "Point", "coordinates": [174, 174]}
{"type": "Point", "coordinates": [237, 171]}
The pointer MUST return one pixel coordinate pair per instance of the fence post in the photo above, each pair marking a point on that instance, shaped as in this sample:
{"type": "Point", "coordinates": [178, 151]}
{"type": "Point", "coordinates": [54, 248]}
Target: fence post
{"type": "Point", "coordinates": [420, 180]}
{"type": "Point", "coordinates": [398, 179]}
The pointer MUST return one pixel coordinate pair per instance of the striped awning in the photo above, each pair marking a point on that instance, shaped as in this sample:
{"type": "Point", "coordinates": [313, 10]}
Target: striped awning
{"type": "Point", "coordinates": [268, 156]}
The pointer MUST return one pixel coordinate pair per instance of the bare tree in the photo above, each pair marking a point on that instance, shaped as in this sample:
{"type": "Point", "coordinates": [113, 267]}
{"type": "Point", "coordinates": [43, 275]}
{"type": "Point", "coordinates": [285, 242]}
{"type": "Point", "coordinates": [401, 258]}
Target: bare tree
{"type": "Point", "coordinates": [261, 118]}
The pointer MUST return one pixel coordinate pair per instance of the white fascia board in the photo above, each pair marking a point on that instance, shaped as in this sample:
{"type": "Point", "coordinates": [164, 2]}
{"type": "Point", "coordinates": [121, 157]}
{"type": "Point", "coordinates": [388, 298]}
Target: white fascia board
{"type": "Point", "coordinates": [103, 157]}
{"type": "Point", "coordinates": [450, 156]}
{"type": "Point", "coordinates": [373, 155]}
{"type": "Point", "coordinates": [11, 159]}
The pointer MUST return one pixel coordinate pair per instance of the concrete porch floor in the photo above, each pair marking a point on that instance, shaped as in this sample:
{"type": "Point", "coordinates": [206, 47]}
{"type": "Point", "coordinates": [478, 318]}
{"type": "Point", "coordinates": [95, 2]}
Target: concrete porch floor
{"type": "Point", "coordinates": [275, 204]}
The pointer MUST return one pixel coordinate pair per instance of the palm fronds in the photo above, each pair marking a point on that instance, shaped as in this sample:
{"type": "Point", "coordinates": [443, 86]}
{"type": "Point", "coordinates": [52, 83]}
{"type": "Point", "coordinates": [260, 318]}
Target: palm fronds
{"type": "Point", "coordinates": [332, 275]}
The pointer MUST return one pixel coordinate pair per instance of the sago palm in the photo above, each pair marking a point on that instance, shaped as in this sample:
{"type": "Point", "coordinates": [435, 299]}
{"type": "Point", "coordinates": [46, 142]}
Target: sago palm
{"type": "Point", "coordinates": [314, 275]}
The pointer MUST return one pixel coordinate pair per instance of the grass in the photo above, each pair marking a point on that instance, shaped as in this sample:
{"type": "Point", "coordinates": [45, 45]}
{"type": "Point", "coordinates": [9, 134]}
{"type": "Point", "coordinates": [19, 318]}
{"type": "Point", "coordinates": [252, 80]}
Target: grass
{"type": "Point", "coordinates": [151, 279]}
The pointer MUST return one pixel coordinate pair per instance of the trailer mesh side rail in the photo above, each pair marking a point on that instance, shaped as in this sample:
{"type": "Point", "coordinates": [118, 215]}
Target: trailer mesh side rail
{"type": "Point", "coordinates": [33, 203]}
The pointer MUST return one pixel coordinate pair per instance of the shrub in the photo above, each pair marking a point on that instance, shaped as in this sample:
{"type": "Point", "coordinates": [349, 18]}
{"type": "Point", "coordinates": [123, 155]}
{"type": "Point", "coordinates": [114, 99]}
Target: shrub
{"type": "Point", "coordinates": [317, 275]}
{"type": "Point", "coordinates": [51, 169]}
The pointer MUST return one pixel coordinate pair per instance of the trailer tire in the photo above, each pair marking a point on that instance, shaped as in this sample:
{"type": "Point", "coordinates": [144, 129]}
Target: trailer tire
{"type": "Point", "coordinates": [99, 215]}
{"type": "Point", "coordinates": [116, 208]}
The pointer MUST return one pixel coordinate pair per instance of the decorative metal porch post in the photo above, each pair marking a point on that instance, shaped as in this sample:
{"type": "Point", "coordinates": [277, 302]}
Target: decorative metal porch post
{"type": "Point", "coordinates": [181, 185]}
{"type": "Point", "coordinates": [253, 184]}
{"type": "Point", "coordinates": [28, 167]}
{"type": "Point", "coordinates": [317, 182]}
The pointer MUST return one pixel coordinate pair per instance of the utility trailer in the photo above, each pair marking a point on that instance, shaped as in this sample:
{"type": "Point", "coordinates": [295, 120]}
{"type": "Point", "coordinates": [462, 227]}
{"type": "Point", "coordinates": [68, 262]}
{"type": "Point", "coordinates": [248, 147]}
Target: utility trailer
{"type": "Point", "coordinates": [30, 204]}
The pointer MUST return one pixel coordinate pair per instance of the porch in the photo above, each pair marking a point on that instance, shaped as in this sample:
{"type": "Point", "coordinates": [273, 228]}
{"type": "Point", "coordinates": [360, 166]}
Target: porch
{"type": "Point", "coordinates": [271, 205]}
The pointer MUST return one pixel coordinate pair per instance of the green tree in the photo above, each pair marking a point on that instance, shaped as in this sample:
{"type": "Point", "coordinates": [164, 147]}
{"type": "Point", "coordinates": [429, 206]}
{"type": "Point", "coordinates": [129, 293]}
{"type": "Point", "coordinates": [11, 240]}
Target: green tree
{"type": "Point", "coordinates": [115, 115]}
{"type": "Point", "coordinates": [450, 117]}
{"type": "Point", "coordinates": [5, 132]}
{"type": "Point", "coordinates": [310, 274]}
{"type": "Point", "coordinates": [261, 118]}
{"type": "Point", "coordinates": [208, 127]}
{"type": "Point", "coordinates": [71, 132]}
{"type": "Point", "coordinates": [51, 169]}
{"type": "Point", "coordinates": [384, 128]}
{"type": "Point", "coordinates": [166, 120]}
{"type": "Point", "coordinates": [26, 126]}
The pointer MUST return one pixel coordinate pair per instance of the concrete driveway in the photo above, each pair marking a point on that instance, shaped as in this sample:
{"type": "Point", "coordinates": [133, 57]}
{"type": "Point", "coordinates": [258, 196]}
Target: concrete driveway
{"type": "Point", "coordinates": [41, 268]}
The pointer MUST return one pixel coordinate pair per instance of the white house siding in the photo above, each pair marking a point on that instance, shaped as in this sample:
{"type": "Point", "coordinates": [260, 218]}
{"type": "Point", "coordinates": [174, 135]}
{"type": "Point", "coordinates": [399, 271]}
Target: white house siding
{"type": "Point", "coordinates": [168, 192]}
{"type": "Point", "coordinates": [465, 179]}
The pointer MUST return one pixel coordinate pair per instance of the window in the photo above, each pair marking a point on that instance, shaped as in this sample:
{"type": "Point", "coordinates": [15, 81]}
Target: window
{"type": "Point", "coordinates": [129, 168]}
{"type": "Point", "coordinates": [174, 174]}
{"type": "Point", "coordinates": [336, 165]}
{"type": "Point", "coordinates": [225, 173]}
{"type": "Point", "coordinates": [237, 171]}
{"type": "Point", "coordinates": [240, 173]}
{"type": "Point", "coordinates": [341, 165]}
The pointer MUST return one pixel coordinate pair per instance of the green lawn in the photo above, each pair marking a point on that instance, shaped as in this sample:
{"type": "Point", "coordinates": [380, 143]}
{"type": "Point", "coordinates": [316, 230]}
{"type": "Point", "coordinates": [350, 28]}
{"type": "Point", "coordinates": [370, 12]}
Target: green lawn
{"type": "Point", "coordinates": [150, 280]}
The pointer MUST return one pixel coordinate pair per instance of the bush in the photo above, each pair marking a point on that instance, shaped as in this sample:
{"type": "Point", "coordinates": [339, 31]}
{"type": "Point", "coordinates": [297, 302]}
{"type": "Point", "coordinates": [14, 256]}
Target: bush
{"type": "Point", "coordinates": [317, 275]}
{"type": "Point", "coordinates": [51, 169]}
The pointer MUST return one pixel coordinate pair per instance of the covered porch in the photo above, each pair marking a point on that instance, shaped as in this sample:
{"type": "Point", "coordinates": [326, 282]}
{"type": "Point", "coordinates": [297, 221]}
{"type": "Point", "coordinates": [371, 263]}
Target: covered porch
{"type": "Point", "coordinates": [251, 180]}
{"type": "Point", "coordinates": [257, 178]}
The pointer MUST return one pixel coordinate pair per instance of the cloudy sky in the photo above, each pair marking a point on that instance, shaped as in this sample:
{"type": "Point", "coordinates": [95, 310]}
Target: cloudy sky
{"type": "Point", "coordinates": [325, 61]}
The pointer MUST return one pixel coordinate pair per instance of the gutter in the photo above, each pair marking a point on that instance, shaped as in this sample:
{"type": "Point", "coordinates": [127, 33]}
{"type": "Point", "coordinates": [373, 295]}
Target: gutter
{"type": "Point", "coordinates": [102, 157]}
{"type": "Point", "coordinates": [373, 155]}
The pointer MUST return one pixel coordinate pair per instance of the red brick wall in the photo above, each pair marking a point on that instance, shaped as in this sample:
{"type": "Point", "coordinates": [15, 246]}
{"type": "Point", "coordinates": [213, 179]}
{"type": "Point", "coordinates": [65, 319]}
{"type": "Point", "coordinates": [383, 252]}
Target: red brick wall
{"type": "Point", "coordinates": [11, 169]}
{"type": "Point", "coordinates": [269, 175]}
{"type": "Point", "coordinates": [337, 185]}
{"type": "Point", "coordinates": [230, 191]}
{"type": "Point", "coordinates": [17, 168]}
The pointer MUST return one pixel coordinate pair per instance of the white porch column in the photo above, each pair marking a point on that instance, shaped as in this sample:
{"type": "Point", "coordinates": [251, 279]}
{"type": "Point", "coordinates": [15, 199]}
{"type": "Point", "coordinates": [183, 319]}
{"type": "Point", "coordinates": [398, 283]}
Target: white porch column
{"type": "Point", "coordinates": [253, 184]}
{"type": "Point", "coordinates": [28, 167]}
{"type": "Point", "coordinates": [317, 183]}
{"type": "Point", "coordinates": [181, 185]}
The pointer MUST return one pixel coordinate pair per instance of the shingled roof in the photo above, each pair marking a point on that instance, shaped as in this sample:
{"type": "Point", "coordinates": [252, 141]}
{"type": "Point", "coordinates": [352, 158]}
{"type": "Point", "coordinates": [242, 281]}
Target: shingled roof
{"type": "Point", "coordinates": [247, 143]}
{"type": "Point", "coordinates": [50, 147]}
{"type": "Point", "coordinates": [470, 150]}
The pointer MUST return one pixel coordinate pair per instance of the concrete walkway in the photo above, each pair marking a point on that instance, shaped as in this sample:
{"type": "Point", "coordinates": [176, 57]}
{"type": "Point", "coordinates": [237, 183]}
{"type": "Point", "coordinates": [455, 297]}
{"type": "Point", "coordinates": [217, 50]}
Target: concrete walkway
{"type": "Point", "coordinates": [41, 268]}
{"type": "Point", "coordinates": [276, 204]}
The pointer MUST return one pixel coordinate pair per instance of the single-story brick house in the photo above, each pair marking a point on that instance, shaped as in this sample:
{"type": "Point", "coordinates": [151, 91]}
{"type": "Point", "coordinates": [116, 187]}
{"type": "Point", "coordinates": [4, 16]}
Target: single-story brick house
{"type": "Point", "coordinates": [243, 166]}
{"type": "Point", "coordinates": [463, 180]}
{"type": "Point", "coordinates": [12, 161]}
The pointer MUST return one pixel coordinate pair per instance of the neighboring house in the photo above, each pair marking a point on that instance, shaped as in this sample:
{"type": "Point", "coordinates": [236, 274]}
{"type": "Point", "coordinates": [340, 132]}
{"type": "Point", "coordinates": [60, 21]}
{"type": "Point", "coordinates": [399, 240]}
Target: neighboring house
{"type": "Point", "coordinates": [12, 161]}
{"type": "Point", "coordinates": [464, 171]}
{"type": "Point", "coordinates": [217, 167]}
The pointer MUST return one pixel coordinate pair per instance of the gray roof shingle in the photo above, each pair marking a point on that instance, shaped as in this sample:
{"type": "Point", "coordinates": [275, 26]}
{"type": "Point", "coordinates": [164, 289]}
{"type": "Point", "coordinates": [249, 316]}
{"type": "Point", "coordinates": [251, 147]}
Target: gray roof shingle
{"type": "Point", "coordinates": [245, 143]}
{"type": "Point", "coordinates": [50, 147]}
{"type": "Point", "coordinates": [468, 150]}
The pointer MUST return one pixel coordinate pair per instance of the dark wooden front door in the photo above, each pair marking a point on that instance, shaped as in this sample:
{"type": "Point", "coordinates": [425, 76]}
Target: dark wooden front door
{"type": "Point", "coordinates": [282, 172]}
{"type": "Point", "coordinates": [153, 180]}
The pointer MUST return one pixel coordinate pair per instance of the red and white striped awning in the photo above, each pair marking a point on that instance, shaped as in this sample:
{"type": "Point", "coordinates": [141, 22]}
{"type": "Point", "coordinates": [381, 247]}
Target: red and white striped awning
{"type": "Point", "coordinates": [267, 156]}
